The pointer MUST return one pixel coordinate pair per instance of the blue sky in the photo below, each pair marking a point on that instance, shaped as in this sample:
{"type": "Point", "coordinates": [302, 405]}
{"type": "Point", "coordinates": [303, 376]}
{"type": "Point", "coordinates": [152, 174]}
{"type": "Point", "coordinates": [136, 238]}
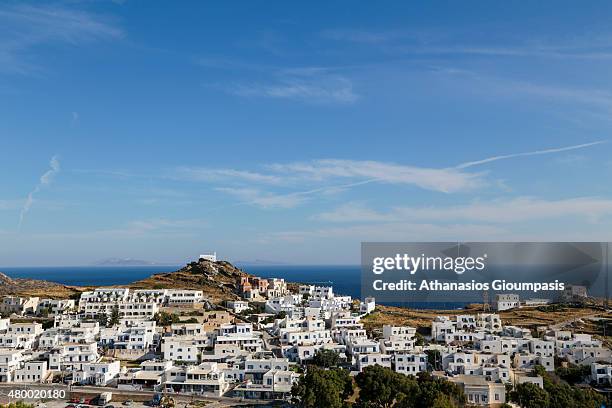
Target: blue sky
{"type": "Point", "coordinates": [292, 132]}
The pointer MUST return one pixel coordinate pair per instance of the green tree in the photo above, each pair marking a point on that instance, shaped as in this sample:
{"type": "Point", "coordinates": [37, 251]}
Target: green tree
{"type": "Point", "coordinates": [114, 316]}
{"type": "Point", "coordinates": [19, 404]}
{"type": "Point", "coordinates": [529, 395]}
{"type": "Point", "coordinates": [384, 388]}
{"type": "Point", "coordinates": [326, 358]}
{"type": "Point", "coordinates": [44, 312]}
{"type": "Point", "coordinates": [434, 390]}
{"type": "Point", "coordinates": [435, 359]}
{"type": "Point", "coordinates": [322, 388]}
{"type": "Point", "coordinates": [444, 401]}
{"type": "Point", "coordinates": [102, 318]}
{"type": "Point", "coordinates": [573, 374]}
{"type": "Point", "coordinates": [165, 318]}
{"type": "Point", "coordinates": [48, 324]}
{"type": "Point", "coordinates": [561, 394]}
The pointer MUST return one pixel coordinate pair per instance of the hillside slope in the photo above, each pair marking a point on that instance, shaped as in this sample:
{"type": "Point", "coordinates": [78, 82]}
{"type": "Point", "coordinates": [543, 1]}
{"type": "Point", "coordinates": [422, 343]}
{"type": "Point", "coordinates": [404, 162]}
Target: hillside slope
{"type": "Point", "coordinates": [218, 280]}
{"type": "Point", "coordinates": [33, 287]}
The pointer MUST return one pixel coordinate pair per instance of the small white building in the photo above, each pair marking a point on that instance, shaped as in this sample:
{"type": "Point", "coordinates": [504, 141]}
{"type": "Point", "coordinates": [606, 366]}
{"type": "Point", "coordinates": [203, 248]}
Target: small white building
{"type": "Point", "coordinates": [184, 297]}
{"type": "Point", "coordinates": [203, 379]}
{"type": "Point", "coordinates": [277, 287]}
{"type": "Point", "coordinates": [441, 327]}
{"type": "Point", "coordinates": [98, 373]}
{"type": "Point", "coordinates": [10, 360]}
{"type": "Point", "coordinates": [21, 335]}
{"type": "Point", "coordinates": [4, 324]}
{"type": "Point", "coordinates": [71, 357]}
{"type": "Point", "coordinates": [31, 371]}
{"type": "Point", "coordinates": [18, 305]}
{"type": "Point", "coordinates": [208, 257]}
{"type": "Point", "coordinates": [186, 348]}
{"type": "Point", "coordinates": [544, 348]}
{"type": "Point", "coordinates": [238, 306]}
{"type": "Point", "coordinates": [601, 373]}
{"type": "Point", "coordinates": [371, 359]}
{"type": "Point", "coordinates": [54, 307]}
{"type": "Point", "coordinates": [528, 361]}
{"type": "Point", "coordinates": [287, 304]}
{"type": "Point", "coordinates": [317, 292]}
{"type": "Point", "coordinates": [479, 391]}
{"type": "Point", "coordinates": [506, 301]}
{"type": "Point", "coordinates": [367, 306]}
{"type": "Point", "coordinates": [135, 337]}
{"type": "Point", "coordinates": [536, 302]}
{"type": "Point", "coordinates": [409, 363]}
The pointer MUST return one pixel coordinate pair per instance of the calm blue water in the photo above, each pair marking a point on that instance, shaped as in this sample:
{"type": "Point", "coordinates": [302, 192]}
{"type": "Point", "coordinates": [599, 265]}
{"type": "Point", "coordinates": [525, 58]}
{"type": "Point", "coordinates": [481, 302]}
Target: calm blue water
{"type": "Point", "coordinates": [346, 280]}
{"type": "Point", "coordinates": [87, 275]}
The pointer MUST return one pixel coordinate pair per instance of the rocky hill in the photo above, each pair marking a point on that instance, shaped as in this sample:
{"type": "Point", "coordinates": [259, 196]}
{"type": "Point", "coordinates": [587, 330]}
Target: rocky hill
{"type": "Point", "coordinates": [216, 279]}
{"type": "Point", "coordinates": [33, 287]}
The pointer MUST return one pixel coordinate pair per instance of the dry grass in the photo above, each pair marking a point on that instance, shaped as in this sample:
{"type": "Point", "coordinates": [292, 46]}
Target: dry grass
{"type": "Point", "coordinates": [525, 317]}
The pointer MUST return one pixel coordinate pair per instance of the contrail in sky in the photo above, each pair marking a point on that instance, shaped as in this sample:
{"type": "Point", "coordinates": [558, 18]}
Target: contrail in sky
{"type": "Point", "coordinates": [45, 179]}
{"type": "Point", "coordinates": [533, 153]}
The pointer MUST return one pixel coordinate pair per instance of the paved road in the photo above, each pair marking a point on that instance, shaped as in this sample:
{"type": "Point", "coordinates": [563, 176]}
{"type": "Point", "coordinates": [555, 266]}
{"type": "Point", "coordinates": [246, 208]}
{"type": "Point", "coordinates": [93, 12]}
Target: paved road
{"type": "Point", "coordinates": [121, 395]}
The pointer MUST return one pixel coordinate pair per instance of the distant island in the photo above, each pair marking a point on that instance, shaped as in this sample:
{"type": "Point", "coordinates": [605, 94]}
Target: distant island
{"type": "Point", "coordinates": [124, 262]}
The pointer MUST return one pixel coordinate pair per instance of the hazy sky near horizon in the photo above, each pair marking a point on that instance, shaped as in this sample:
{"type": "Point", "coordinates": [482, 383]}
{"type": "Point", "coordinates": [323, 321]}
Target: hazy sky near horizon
{"type": "Point", "coordinates": [292, 132]}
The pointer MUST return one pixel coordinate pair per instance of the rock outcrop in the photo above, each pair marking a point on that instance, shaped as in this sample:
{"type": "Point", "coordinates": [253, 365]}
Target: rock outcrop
{"type": "Point", "coordinates": [218, 280]}
{"type": "Point", "coordinates": [33, 287]}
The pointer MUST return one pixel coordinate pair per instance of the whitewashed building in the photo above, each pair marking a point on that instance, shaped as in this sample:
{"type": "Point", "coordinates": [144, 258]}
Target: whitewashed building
{"type": "Point", "coordinates": [31, 371]}
{"type": "Point", "coordinates": [506, 301]}
{"type": "Point", "coordinates": [98, 373]}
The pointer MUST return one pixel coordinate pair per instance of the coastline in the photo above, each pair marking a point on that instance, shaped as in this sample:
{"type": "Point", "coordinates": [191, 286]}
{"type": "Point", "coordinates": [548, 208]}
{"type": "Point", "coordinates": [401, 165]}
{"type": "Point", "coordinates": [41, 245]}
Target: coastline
{"type": "Point", "coordinates": [346, 278]}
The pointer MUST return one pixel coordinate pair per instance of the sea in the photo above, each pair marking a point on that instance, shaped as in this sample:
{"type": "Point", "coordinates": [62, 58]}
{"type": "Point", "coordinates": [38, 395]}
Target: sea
{"type": "Point", "coordinates": [346, 279]}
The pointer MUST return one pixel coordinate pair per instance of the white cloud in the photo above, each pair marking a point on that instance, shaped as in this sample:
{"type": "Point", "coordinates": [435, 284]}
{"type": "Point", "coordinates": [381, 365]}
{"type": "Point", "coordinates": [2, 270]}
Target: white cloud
{"type": "Point", "coordinates": [406, 42]}
{"type": "Point", "coordinates": [405, 231]}
{"type": "Point", "coordinates": [264, 199]}
{"type": "Point", "coordinates": [354, 212]}
{"type": "Point", "coordinates": [357, 172]}
{"type": "Point", "coordinates": [139, 228]}
{"type": "Point", "coordinates": [443, 180]}
{"type": "Point", "coordinates": [308, 84]}
{"type": "Point", "coordinates": [45, 180]}
{"type": "Point", "coordinates": [288, 200]}
{"type": "Point", "coordinates": [594, 102]}
{"type": "Point", "coordinates": [496, 211]}
{"type": "Point", "coordinates": [164, 225]}
{"type": "Point", "coordinates": [323, 89]}
{"type": "Point", "coordinates": [208, 174]}
{"type": "Point", "coordinates": [23, 27]}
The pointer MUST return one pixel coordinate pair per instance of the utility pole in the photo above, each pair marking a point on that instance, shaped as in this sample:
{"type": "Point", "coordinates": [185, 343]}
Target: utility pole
{"type": "Point", "coordinates": [607, 275]}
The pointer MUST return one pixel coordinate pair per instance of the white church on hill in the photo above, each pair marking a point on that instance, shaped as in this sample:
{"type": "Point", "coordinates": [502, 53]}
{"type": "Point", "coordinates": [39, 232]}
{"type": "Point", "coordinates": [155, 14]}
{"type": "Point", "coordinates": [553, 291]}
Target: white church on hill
{"type": "Point", "coordinates": [209, 257]}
